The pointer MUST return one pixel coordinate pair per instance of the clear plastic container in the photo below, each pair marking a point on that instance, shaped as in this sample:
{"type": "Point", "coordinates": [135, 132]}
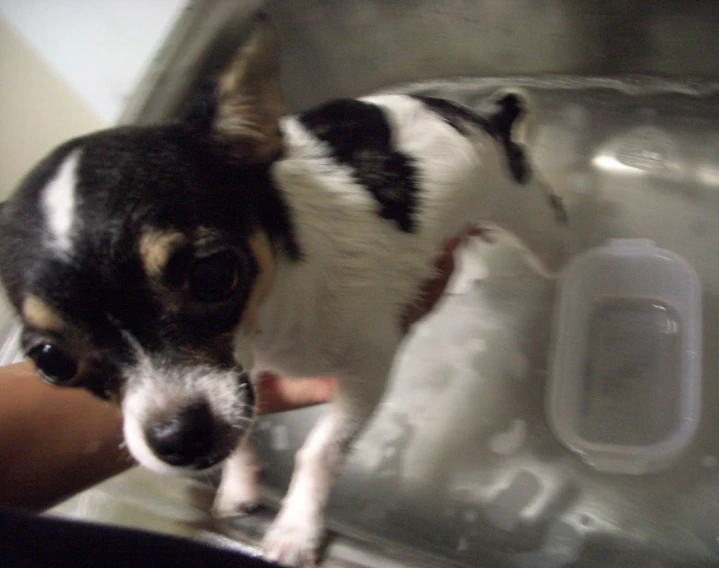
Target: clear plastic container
{"type": "Point", "coordinates": [625, 382]}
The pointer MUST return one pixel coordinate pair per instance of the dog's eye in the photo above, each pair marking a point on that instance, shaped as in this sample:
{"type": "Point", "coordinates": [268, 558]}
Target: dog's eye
{"type": "Point", "coordinates": [53, 365]}
{"type": "Point", "coordinates": [214, 277]}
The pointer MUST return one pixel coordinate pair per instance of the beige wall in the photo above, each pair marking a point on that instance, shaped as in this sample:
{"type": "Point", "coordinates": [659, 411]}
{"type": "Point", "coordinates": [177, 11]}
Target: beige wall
{"type": "Point", "coordinates": [37, 109]}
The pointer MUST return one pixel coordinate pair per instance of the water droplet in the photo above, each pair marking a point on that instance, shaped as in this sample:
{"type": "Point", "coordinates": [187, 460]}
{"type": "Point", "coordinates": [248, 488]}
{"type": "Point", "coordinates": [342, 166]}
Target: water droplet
{"type": "Point", "coordinates": [462, 544]}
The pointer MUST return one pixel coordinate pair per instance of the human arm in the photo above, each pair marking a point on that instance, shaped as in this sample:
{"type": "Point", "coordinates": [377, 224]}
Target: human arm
{"type": "Point", "coordinates": [56, 442]}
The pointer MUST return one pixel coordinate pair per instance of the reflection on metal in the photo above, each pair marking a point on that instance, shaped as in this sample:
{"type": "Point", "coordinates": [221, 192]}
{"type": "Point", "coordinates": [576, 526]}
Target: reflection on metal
{"type": "Point", "coordinates": [633, 156]}
{"type": "Point", "coordinates": [611, 165]}
{"type": "Point", "coordinates": [708, 175]}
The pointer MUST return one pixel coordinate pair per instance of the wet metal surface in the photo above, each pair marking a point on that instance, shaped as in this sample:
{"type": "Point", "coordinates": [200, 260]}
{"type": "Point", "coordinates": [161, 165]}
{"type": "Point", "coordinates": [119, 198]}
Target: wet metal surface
{"type": "Point", "coordinates": [459, 465]}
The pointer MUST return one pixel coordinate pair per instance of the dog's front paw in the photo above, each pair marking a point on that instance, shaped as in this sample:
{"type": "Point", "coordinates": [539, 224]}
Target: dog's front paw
{"type": "Point", "coordinates": [238, 498]}
{"type": "Point", "coordinates": [293, 540]}
{"type": "Point", "coordinates": [239, 491]}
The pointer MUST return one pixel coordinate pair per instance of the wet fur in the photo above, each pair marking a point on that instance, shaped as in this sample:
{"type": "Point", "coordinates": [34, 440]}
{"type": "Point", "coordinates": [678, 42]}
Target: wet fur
{"type": "Point", "coordinates": [337, 216]}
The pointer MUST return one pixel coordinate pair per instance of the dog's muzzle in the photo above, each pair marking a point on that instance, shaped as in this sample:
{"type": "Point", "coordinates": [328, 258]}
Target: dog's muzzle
{"type": "Point", "coordinates": [193, 437]}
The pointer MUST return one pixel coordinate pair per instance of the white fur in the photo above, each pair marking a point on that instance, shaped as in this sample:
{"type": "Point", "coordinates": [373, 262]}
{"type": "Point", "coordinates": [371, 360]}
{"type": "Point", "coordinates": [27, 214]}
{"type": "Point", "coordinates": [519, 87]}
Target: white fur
{"type": "Point", "coordinates": [239, 490]}
{"type": "Point", "coordinates": [338, 311]}
{"type": "Point", "coordinates": [58, 203]}
{"type": "Point", "coordinates": [155, 387]}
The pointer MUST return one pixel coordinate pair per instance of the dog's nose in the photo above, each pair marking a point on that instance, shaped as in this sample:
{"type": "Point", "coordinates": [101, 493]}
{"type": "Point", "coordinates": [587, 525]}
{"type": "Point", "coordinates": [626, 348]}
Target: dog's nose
{"type": "Point", "coordinates": [186, 438]}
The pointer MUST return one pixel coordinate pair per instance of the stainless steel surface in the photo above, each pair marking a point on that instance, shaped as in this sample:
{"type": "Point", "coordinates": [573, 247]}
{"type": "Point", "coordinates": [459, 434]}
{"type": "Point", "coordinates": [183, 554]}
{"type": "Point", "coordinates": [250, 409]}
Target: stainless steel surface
{"type": "Point", "coordinates": [459, 466]}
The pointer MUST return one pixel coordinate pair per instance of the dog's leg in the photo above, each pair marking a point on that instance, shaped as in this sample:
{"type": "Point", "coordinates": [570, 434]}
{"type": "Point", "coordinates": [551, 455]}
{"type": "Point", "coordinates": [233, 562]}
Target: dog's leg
{"type": "Point", "coordinates": [239, 489]}
{"type": "Point", "coordinates": [296, 534]}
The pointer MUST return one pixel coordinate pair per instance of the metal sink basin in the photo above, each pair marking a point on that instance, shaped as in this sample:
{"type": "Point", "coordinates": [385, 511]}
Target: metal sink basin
{"type": "Point", "coordinates": [459, 466]}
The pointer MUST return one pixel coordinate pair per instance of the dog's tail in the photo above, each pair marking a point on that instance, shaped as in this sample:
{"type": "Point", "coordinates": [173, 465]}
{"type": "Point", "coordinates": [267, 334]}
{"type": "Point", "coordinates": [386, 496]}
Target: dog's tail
{"type": "Point", "coordinates": [513, 114]}
{"type": "Point", "coordinates": [512, 122]}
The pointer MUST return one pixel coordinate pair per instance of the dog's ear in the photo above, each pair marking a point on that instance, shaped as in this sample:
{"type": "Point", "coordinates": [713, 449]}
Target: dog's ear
{"type": "Point", "coordinates": [249, 103]}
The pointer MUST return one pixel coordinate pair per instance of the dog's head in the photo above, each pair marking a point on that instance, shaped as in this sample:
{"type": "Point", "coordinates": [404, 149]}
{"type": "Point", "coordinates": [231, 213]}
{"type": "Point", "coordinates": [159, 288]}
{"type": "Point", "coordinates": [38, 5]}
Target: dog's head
{"type": "Point", "coordinates": [136, 257]}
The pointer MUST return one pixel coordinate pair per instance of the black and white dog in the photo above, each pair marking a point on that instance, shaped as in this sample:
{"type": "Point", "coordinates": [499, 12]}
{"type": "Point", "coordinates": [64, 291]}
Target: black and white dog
{"type": "Point", "coordinates": [151, 265]}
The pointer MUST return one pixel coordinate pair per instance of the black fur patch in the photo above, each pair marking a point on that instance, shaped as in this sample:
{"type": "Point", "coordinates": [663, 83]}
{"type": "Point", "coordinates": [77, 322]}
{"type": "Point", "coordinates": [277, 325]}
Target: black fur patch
{"type": "Point", "coordinates": [129, 180]}
{"type": "Point", "coordinates": [498, 125]}
{"type": "Point", "coordinates": [360, 137]}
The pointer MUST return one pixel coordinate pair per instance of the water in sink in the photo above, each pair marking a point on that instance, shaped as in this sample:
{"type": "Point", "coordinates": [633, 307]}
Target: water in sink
{"type": "Point", "coordinates": [632, 373]}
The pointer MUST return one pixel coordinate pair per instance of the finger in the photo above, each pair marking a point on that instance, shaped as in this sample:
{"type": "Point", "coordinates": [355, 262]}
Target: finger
{"type": "Point", "coordinates": [277, 394]}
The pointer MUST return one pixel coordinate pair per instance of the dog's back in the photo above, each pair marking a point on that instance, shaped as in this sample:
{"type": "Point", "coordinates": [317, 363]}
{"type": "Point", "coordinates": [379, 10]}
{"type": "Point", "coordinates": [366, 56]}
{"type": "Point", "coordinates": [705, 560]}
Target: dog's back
{"type": "Point", "coordinates": [376, 186]}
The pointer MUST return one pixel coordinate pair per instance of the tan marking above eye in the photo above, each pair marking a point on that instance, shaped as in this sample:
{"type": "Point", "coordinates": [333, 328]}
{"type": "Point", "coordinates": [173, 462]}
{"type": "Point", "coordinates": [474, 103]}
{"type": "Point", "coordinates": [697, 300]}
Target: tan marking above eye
{"type": "Point", "coordinates": [262, 251]}
{"type": "Point", "coordinates": [155, 250]}
{"type": "Point", "coordinates": [40, 315]}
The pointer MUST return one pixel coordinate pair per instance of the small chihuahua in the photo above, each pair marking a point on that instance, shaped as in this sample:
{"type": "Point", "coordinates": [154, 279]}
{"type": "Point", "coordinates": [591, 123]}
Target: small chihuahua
{"type": "Point", "coordinates": [165, 267]}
